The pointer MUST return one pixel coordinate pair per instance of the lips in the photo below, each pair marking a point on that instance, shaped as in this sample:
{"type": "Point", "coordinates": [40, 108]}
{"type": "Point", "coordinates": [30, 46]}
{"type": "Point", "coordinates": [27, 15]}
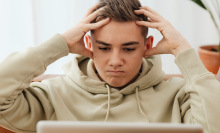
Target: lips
{"type": "Point", "coordinates": [116, 73]}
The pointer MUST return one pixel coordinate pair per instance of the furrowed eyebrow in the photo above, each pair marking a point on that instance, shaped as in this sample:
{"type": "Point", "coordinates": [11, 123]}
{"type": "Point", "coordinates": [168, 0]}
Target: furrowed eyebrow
{"type": "Point", "coordinates": [124, 44]}
{"type": "Point", "coordinates": [130, 43]}
{"type": "Point", "coordinates": [103, 43]}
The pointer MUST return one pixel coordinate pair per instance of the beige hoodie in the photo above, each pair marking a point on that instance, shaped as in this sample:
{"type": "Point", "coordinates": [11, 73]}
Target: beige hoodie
{"type": "Point", "coordinates": [81, 96]}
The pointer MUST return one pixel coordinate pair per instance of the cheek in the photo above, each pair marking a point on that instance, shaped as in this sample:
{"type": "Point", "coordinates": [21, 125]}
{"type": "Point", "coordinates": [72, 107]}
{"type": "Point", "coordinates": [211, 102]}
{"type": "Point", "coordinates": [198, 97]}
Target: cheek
{"type": "Point", "coordinates": [99, 59]}
{"type": "Point", "coordinates": [134, 61]}
{"type": "Point", "coordinates": [134, 64]}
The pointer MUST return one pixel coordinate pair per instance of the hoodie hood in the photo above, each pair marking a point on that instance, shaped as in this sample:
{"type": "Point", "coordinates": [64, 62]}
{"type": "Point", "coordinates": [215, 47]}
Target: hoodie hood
{"type": "Point", "coordinates": [81, 71]}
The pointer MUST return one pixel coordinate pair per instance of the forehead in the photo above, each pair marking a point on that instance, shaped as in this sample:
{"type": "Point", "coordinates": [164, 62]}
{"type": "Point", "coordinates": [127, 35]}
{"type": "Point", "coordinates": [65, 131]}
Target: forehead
{"type": "Point", "coordinates": [119, 32]}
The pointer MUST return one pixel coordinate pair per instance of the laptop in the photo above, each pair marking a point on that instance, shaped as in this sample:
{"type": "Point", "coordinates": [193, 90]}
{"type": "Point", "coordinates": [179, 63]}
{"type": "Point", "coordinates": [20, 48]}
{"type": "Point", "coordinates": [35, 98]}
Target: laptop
{"type": "Point", "coordinates": [114, 127]}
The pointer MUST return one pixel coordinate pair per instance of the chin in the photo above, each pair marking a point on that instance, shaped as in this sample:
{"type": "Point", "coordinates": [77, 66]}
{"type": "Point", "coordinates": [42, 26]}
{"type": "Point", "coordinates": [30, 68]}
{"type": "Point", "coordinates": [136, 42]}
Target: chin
{"type": "Point", "coordinates": [117, 86]}
{"type": "Point", "coordinates": [117, 83]}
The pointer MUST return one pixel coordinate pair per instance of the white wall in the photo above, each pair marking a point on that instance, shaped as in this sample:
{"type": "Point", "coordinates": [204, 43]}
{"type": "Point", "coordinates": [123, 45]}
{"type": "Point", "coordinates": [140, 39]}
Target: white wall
{"type": "Point", "coordinates": [26, 23]}
{"type": "Point", "coordinates": [16, 28]}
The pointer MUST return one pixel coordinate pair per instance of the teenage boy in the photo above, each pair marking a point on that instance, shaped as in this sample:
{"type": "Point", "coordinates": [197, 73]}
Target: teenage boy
{"type": "Point", "coordinates": [122, 79]}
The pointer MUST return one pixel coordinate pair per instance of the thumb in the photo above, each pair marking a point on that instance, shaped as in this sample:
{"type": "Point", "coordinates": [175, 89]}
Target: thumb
{"type": "Point", "coordinates": [151, 51]}
{"type": "Point", "coordinates": [88, 53]}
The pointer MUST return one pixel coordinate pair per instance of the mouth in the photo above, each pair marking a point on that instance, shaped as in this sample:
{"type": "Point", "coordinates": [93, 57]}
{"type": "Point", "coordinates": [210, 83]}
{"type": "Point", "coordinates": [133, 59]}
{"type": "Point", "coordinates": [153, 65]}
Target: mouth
{"type": "Point", "coordinates": [115, 73]}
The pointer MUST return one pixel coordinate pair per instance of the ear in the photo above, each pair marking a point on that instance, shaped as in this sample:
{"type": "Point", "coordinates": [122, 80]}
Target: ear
{"type": "Point", "coordinates": [149, 44]}
{"type": "Point", "coordinates": [88, 42]}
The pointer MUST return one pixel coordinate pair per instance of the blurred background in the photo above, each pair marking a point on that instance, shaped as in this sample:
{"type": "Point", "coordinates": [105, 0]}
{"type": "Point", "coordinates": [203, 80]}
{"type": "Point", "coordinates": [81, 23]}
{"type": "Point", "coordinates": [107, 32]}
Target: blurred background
{"type": "Point", "coordinates": [26, 23]}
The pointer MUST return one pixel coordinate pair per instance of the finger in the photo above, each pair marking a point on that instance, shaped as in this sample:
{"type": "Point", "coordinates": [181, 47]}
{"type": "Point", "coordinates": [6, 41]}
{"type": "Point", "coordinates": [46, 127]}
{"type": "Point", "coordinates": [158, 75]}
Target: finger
{"type": "Point", "coordinates": [147, 24]}
{"type": "Point", "coordinates": [150, 10]}
{"type": "Point", "coordinates": [149, 20]}
{"type": "Point", "coordinates": [152, 51]}
{"type": "Point", "coordinates": [93, 26]}
{"type": "Point", "coordinates": [92, 16]}
{"type": "Point", "coordinates": [147, 14]}
{"type": "Point", "coordinates": [90, 11]}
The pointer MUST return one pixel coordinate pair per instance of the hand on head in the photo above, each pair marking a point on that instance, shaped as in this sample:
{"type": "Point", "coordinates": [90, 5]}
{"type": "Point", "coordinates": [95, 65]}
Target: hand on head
{"type": "Point", "coordinates": [172, 42]}
{"type": "Point", "coordinates": [74, 36]}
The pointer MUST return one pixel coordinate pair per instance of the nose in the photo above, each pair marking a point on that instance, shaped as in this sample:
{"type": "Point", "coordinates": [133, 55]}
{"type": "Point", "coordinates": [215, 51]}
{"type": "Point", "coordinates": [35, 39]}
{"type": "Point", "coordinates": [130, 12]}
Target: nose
{"type": "Point", "coordinates": [116, 59]}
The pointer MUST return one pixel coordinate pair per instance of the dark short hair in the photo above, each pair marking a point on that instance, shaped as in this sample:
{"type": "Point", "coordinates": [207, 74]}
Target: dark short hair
{"type": "Point", "coordinates": [121, 11]}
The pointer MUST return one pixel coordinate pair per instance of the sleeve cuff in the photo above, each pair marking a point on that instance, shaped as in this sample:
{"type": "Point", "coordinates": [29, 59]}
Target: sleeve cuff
{"type": "Point", "coordinates": [53, 49]}
{"type": "Point", "coordinates": [190, 65]}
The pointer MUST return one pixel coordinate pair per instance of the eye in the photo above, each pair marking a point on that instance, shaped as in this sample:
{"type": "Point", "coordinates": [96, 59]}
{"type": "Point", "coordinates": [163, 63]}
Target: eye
{"type": "Point", "coordinates": [129, 49]}
{"type": "Point", "coordinates": [104, 48]}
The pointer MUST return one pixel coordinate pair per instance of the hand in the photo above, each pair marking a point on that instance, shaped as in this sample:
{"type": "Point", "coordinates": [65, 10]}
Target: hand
{"type": "Point", "coordinates": [172, 42]}
{"type": "Point", "coordinates": [74, 37]}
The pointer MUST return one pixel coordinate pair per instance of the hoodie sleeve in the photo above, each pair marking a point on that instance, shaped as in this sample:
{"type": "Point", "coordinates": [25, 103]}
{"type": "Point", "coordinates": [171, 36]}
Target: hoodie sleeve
{"type": "Point", "coordinates": [204, 92]}
{"type": "Point", "coordinates": [20, 105]}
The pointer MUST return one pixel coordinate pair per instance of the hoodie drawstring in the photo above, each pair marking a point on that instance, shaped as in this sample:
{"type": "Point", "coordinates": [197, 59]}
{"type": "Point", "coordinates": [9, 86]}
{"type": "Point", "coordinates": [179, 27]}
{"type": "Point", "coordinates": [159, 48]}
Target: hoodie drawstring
{"type": "Point", "coordinates": [139, 105]}
{"type": "Point", "coordinates": [109, 99]}
{"type": "Point", "coordinates": [137, 98]}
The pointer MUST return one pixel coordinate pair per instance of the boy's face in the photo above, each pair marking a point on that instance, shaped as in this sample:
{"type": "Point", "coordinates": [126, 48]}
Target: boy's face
{"type": "Point", "coordinates": [118, 49]}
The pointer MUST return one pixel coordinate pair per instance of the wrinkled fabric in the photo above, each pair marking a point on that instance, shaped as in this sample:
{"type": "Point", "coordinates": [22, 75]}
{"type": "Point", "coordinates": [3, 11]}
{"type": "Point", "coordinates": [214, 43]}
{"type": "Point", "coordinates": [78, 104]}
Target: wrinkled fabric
{"type": "Point", "coordinates": [81, 96]}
